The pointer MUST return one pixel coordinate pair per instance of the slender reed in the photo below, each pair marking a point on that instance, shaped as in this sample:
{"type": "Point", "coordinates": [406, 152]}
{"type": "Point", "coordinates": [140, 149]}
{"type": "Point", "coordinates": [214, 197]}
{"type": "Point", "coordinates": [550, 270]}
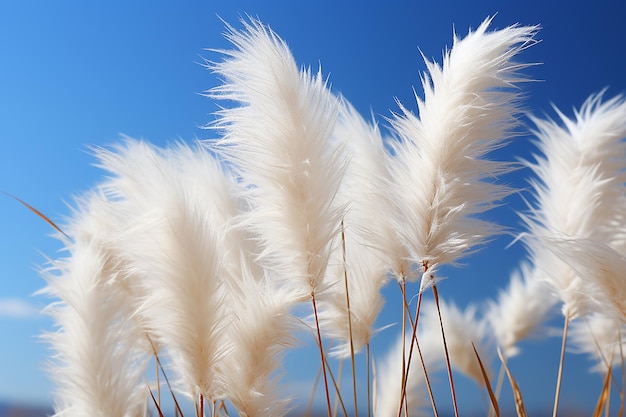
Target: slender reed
{"type": "Point", "coordinates": [447, 353]}
{"type": "Point", "coordinates": [559, 377]}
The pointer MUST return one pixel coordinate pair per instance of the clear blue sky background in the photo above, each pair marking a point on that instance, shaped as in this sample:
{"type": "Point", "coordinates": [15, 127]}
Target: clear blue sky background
{"type": "Point", "coordinates": [74, 74]}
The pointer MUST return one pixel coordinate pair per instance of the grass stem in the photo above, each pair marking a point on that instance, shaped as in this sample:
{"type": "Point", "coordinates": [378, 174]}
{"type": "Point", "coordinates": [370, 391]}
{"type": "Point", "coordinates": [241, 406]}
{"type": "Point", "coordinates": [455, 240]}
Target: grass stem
{"type": "Point", "coordinates": [369, 391]}
{"type": "Point", "coordinates": [322, 355]}
{"type": "Point", "coordinates": [445, 348]}
{"type": "Point", "coordinates": [345, 279]}
{"type": "Point", "coordinates": [560, 374]}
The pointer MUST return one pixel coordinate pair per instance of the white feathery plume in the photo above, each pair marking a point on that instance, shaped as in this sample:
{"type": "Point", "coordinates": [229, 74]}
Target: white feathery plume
{"type": "Point", "coordinates": [260, 331]}
{"type": "Point", "coordinates": [97, 365]}
{"type": "Point", "coordinates": [579, 190]}
{"type": "Point", "coordinates": [366, 237]}
{"type": "Point", "coordinates": [389, 377]}
{"type": "Point", "coordinates": [462, 329]}
{"type": "Point", "coordinates": [197, 165]}
{"type": "Point", "coordinates": [519, 310]}
{"type": "Point", "coordinates": [441, 178]}
{"type": "Point", "coordinates": [278, 140]}
{"type": "Point", "coordinates": [260, 324]}
{"type": "Point", "coordinates": [175, 242]}
{"type": "Point", "coordinates": [600, 336]}
{"type": "Point", "coordinates": [600, 270]}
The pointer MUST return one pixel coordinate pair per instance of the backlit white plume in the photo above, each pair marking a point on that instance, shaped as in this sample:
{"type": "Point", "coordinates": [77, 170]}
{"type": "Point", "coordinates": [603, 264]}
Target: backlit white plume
{"type": "Point", "coordinates": [462, 329]}
{"type": "Point", "coordinates": [579, 190]}
{"type": "Point", "coordinates": [520, 309]}
{"type": "Point", "coordinates": [601, 273]}
{"type": "Point", "coordinates": [97, 365]}
{"type": "Point", "coordinates": [441, 177]}
{"type": "Point", "coordinates": [278, 140]}
{"type": "Point", "coordinates": [175, 243]}
{"type": "Point", "coordinates": [601, 337]}
{"type": "Point", "coordinates": [366, 237]}
{"type": "Point", "coordinates": [260, 331]}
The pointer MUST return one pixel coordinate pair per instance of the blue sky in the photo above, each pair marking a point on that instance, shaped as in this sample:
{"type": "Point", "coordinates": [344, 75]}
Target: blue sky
{"type": "Point", "coordinates": [74, 74]}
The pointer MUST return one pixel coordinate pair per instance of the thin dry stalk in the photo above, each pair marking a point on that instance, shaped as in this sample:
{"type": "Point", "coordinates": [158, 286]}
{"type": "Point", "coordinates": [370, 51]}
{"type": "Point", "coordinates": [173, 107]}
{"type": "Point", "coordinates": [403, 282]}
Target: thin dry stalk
{"type": "Point", "coordinates": [419, 351]}
{"type": "Point", "coordinates": [339, 377]}
{"type": "Point", "coordinates": [604, 398]}
{"type": "Point", "coordinates": [345, 278]}
{"type": "Point", "coordinates": [158, 381]}
{"type": "Point", "coordinates": [335, 385]}
{"type": "Point", "coordinates": [499, 384]}
{"type": "Point", "coordinates": [312, 397]}
{"type": "Point", "coordinates": [560, 375]}
{"type": "Point", "coordinates": [322, 355]}
{"type": "Point", "coordinates": [517, 394]}
{"type": "Point", "coordinates": [157, 404]}
{"type": "Point", "coordinates": [621, 391]}
{"type": "Point", "coordinates": [167, 381]}
{"type": "Point", "coordinates": [369, 382]}
{"type": "Point", "coordinates": [405, 310]}
{"type": "Point", "coordinates": [494, 400]}
{"type": "Point", "coordinates": [38, 213]}
{"type": "Point", "coordinates": [445, 348]}
{"type": "Point", "coordinates": [338, 392]}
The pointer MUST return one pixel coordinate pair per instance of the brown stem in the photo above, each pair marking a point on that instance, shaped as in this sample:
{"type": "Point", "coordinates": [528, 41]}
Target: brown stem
{"type": "Point", "coordinates": [345, 279]}
{"type": "Point", "coordinates": [415, 342]}
{"type": "Point", "coordinates": [322, 356]}
{"type": "Point", "coordinates": [445, 348]}
{"type": "Point", "coordinates": [404, 313]}
{"type": "Point", "coordinates": [560, 375]}
{"type": "Point", "coordinates": [369, 392]}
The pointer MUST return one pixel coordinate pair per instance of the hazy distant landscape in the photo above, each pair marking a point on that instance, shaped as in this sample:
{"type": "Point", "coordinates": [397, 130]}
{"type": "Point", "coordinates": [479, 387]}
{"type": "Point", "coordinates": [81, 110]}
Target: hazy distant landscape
{"type": "Point", "coordinates": [8, 409]}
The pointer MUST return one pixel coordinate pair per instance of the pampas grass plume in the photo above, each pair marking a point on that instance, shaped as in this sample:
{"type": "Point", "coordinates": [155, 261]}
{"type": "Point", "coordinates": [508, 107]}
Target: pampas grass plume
{"type": "Point", "coordinates": [579, 191]}
{"type": "Point", "coordinates": [367, 237]}
{"type": "Point", "coordinates": [278, 141]}
{"type": "Point", "coordinates": [440, 171]}
{"type": "Point", "coordinates": [519, 309]}
{"type": "Point", "coordinates": [97, 364]}
{"type": "Point", "coordinates": [174, 246]}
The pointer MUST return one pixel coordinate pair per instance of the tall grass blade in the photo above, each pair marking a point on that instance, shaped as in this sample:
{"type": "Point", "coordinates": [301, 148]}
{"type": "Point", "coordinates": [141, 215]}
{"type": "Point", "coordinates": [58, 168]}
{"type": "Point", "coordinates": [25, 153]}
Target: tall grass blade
{"type": "Point", "coordinates": [603, 399]}
{"type": "Point", "coordinates": [38, 213]}
{"type": "Point", "coordinates": [517, 393]}
{"type": "Point", "coordinates": [492, 396]}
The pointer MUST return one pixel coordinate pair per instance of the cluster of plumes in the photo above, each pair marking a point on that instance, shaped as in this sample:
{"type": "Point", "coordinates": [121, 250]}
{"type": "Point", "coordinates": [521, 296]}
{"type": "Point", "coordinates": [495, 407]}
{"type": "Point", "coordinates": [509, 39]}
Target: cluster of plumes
{"type": "Point", "coordinates": [577, 221]}
{"type": "Point", "coordinates": [199, 254]}
{"type": "Point", "coordinates": [155, 266]}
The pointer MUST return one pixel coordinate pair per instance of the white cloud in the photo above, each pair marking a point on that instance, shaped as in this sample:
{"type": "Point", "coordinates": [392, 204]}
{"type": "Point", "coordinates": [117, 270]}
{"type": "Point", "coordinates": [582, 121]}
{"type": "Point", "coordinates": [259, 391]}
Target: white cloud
{"type": "Point", "coordinates": [17, 308]}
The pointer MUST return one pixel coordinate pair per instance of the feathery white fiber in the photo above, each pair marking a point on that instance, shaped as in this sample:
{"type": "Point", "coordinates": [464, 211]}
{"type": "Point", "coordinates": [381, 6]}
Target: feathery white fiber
{"type": "Point", "coordinates": [600, 270]}
{"type": "Point", "coordinates": [278, 140]}
{"type": "Point", "coordinates": [260, 331]}
{"type": "Point", "coordinates": [367, 237]}
{"type": "Point", "coordinates": [441, 178]}
{"type": "Point", "coordinates": [579, 190]}
{"type": "Point", "coordinates": [519, 310]}
{"type": "Point", "coordinates": [389, 377]}
{"type": "Point", "coordinates": [96, 365]}
{"type": "Point", "coordinates": [174, 242]}
{"type": "Point", "coordinates": [600, 336]}
{"type": "Point", "coordinates": [462, 329]}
